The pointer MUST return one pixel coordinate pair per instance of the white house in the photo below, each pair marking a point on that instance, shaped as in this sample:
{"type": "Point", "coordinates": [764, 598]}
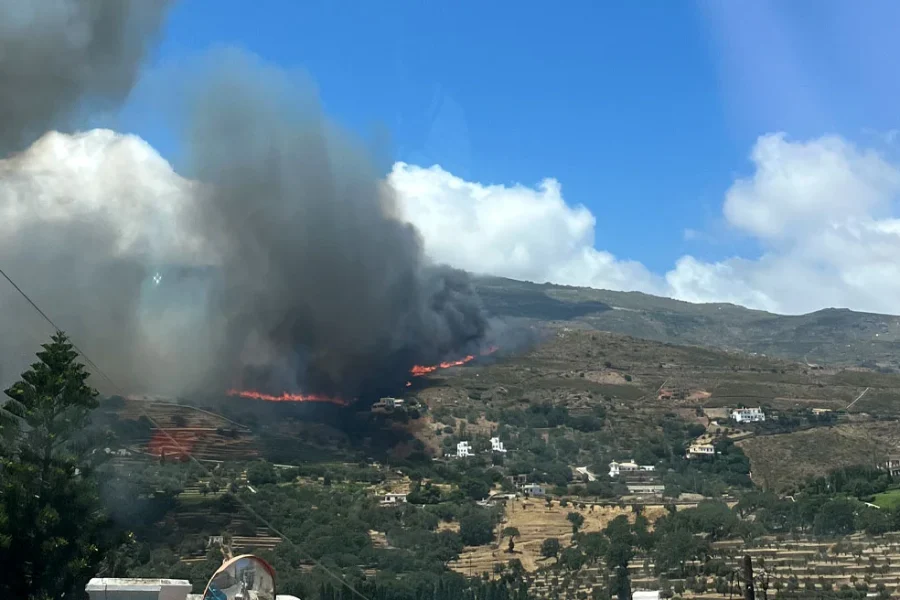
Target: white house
{"type": "Point", "coordinates": [748, 415]}
{"type": "Point", "coordinates": [699, 450]}
{"type": "Point", "coordinates": [645, 488]}
{"type": "Point", "coordinates": [891, 465]}
{"type": "Point", "coordinates": [497, 445]}
{"type": "Point", "coordinates": [495, 499]}
{"type": "Point", "coordinates": [394, 499]}
{"type": "Point", "coordinates": [463, 449]}
{"type": "Point", "coordinates": [617, 468]}
{"type": "Point", "coordinates": [119, 452]}
{"type": "Point", "coordinates": [533, 489]}
{"type": "Point", "coordinates": [101, 588]}
{"type": "Point", "coordinates": [389, 402]}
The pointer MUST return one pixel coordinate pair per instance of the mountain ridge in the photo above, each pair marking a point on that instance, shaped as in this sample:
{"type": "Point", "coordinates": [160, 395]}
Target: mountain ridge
{"type": "Point", "coordinates": [830, 336]}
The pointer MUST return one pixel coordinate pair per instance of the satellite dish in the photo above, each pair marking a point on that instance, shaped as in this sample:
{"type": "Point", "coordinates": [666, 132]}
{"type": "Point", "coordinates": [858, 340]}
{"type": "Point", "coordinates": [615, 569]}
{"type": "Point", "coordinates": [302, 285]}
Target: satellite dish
{"type": "Point", "coordinates": [244, 577]}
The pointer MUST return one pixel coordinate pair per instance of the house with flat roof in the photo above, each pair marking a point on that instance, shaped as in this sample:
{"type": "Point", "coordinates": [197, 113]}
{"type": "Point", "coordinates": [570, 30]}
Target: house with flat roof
{"type": "Point", "coordinates": [748, 415]}
{"type": "Point", "coordinates": [533, 489]}
{"type": "Point", "coordinates": [618, 468]}
{"type": "Point", "coordinates": [701, 450]}
{"type": "Point", "coordinates": [463, 449]}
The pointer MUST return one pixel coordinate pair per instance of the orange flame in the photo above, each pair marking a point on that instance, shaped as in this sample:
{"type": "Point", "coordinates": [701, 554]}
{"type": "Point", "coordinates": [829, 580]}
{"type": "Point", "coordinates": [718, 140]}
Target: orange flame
{"type": "Point", "coordinates": [419, 370]}
{"type": "Point", "coordinates": [285, 397]}
{"type": "Point", "coordinates": [416, 371]}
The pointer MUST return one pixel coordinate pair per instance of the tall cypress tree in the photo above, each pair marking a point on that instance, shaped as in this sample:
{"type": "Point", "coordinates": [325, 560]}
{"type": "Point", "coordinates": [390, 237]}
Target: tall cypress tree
{"type": "Point", "coordinates": [51, 524]}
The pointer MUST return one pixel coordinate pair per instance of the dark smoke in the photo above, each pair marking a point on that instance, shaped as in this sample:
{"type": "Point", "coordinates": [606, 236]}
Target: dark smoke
{"type": "Point", "coordinates": [321, 288]}
{"type": "Point", "coordinates": [60, 61]}
{"type": "Point", "coordinates": [59, 57]}
{"type": "Point", "coordinates": [315, 285]}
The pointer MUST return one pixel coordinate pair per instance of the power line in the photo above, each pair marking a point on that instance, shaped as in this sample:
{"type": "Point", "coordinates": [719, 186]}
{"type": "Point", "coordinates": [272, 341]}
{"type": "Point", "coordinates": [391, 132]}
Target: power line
{"type": "Point", "coordinates": [57, 329]}
{"type": "Point", "coordinates": [175, 442]}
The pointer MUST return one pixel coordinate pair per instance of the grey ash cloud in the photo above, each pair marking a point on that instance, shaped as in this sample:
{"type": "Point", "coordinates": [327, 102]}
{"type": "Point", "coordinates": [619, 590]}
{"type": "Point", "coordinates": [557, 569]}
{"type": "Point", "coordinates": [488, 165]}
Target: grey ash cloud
{"type": "Point", "coordinates": [322, 287]}
{"type": "Point", "coordinates": [62, 58]}
{"type": "Point", "coordinates": [297, 273]}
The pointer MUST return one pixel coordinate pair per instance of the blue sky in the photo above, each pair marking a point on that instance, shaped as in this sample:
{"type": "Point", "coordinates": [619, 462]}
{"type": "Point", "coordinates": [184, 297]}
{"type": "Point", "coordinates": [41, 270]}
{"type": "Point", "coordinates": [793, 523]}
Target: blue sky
{"type": "Point", "coordinates": [645, 112]}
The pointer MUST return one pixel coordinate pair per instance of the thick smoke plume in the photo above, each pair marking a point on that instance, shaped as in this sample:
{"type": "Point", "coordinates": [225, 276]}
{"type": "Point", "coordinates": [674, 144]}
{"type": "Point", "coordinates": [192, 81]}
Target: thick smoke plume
{"type": "Point", "coordinates": [59, 57]}
{"type": "Point", "coordinates": [61, 60]}
{"type": "Point", "coordinates": [283, 268]}
{"type": "Point", "coordinates": [320, 283]}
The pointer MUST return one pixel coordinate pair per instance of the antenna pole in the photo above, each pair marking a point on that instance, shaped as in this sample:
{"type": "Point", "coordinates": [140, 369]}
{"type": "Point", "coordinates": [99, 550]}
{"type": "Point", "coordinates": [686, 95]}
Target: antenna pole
{"type": "Point", "coordinates": [748, 578]}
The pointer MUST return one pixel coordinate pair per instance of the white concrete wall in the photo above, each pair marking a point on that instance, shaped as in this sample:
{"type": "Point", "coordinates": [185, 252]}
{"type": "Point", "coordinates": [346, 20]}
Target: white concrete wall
{"type": "Point", "coordinates": [103, 588]}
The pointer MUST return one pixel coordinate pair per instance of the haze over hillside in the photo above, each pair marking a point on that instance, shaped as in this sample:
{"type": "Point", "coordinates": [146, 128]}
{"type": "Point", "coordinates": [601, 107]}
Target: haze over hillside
{"type": "Point", "coordinates": [830, 336]}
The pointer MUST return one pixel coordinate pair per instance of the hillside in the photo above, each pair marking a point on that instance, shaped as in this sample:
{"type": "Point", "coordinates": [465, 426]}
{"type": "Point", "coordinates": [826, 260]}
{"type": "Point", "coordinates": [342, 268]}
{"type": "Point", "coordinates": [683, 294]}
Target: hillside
{"type": "Point", "coordinates": [831, 336]}
{"type": "Point", "coordinates": [637, 384]}
{"type": "Point", "coordinates": [571, 403]}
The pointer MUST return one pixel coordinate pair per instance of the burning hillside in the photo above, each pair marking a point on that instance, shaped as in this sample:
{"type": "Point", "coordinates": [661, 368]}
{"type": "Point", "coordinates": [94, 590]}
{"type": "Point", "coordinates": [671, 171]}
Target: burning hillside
{"type": "Point", "coordinates": [419, 370]}
{"type": "Point", "coordinates": [415, 371]}
{"type": "Point", "coordinates": [285, 397]}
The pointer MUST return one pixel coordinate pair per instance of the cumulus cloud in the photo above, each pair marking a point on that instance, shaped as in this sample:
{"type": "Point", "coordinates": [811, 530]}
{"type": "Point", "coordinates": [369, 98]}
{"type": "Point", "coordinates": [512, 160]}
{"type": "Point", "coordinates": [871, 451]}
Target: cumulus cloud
{"type": "Point", "coordinates": [85, 222]}
{"type": "Point", "coordinates": [821, 209]}
{"type": "Point", "coordinates": [521, 232]}
{"type": "Point", "coordinates": [799, 187]}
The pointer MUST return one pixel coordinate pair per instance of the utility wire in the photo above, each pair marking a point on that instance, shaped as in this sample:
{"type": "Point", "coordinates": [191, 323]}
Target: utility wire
{"type": "Point", "coordinates": [178, 445]}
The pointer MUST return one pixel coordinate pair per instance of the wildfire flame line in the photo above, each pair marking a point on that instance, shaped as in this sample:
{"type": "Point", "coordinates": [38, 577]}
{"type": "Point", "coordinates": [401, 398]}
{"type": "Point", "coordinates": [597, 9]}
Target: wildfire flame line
{"type": "Point", "coordinates": [285, 397]}
{"type": "Point", "coordinates": [419, 370]}
{"type": "Point", "coordinates": [416, 371]}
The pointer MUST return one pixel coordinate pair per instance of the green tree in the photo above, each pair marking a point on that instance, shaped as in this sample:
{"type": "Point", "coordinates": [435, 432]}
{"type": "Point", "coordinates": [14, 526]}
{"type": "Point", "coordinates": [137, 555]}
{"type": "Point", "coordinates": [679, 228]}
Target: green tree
{"type": "Point", "coordinates": [476, 529]}
{"type": "Point", "coordinates": [476, 489]}
{"type": "Point", "coordinates": [427, 494]}
{"type": "Point", "coordinates": [550, 548]}
{"type": "Point", "coordinates": [643, 537]}
{"type": "Point", "coordinates": [873, 521]}
{"type": "Point", "coordinates": [594, 545]}
{"type": "Point", "coordinates": [577, 520]}
{"type": "Point", "coordinates": [673, 549]}
{"type": "Point", "coordinates": [52, 531]}
{"type": "Point", "coordinates": [261, 473]}
{"type": "Point", "coordinates": [512, 533]}
{"type": "Point", "coordinates": [618, 554]}
{"type": "Point", "coordinates": [711, 517]}
{"type": "Point", "coordinates": [836, 517]}
{"type": "Point", "coordinates": [572, 558]}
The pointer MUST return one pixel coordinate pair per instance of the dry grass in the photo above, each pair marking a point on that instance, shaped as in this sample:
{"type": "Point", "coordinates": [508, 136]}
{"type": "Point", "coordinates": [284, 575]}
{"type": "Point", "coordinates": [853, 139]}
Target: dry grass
{"type": "Point", "coordinates": [537, 522]}
{"type": "Point", "coordinates": [781, 461]}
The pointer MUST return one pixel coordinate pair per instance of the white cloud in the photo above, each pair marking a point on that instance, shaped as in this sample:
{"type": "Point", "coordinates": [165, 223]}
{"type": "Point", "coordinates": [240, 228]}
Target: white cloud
{"type": "Point", "coordinates": [820, 209]}
{"type": "Point", "coordinates": [514, 231]}
{"type": "Point", "coordinates": [799, 187]}
{"type": "Point", "coordinates": [94, 175]}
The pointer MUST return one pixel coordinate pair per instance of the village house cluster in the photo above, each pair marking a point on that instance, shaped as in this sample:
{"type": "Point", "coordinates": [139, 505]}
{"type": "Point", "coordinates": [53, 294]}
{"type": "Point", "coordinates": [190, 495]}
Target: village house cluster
{"type": "Point", "coordinates": [464, 448]}
{"type": "Point", "coordinates": [703, 447]}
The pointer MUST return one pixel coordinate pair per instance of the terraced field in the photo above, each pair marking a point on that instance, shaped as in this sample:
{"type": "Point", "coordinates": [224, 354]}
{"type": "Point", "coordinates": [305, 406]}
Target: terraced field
{"type": "Point", "coordinates": [537, 521]}
{"type": "Point", "coordinates": [816, 566]}
{"type": "Point", "coordinates": [177, 430]}
{"type": "Point", "coordinates": [635, 380]}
